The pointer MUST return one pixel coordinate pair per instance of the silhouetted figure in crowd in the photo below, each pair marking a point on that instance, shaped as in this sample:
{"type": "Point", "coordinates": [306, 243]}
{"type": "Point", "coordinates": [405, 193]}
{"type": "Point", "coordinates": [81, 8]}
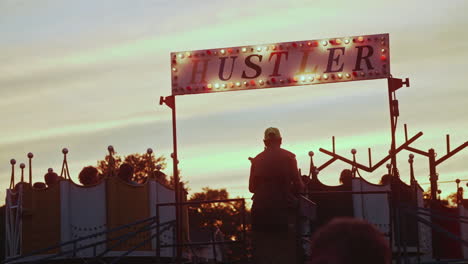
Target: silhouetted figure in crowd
{"type": "Point", "coordinates": [346, 177]}
{"type": "Point", "coordinates": [89, 176]}
{"type": "Point", "coordinates": [51, 178]}
{"type": "Point", "coordinates": [274, 179]}
{"type": "Point", "coordinates": [349, 240]}
{"type": "Point", "coordinates": [126, 173]}
{"type": "Point", "coordinates": [39, 185]}
{"type": "Point", "coordinates": [159, 176]}
{"type": "Point", "coordinates": [385, 179]}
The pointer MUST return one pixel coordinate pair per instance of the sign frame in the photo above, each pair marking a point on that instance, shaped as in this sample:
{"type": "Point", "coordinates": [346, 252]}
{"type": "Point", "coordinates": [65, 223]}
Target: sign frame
{"type": "Point", "coordinates": [283, 64]}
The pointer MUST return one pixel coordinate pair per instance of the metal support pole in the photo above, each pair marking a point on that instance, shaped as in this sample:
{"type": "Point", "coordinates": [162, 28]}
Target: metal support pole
{"type": "Point", "coordinates": [393, 172]}
{"type": "Point", "coordinates": [213, 238]}
{"type": "Point", "coordinates": [176, 182]}
{"type": "Point", "coordinates": [158, 237]}
{"type": "Point", "coordinates": [433, 174]}
{"type": "Point", "coordinates": [30, 156]}
{"type": "Point", "coordinates": [392, 127]}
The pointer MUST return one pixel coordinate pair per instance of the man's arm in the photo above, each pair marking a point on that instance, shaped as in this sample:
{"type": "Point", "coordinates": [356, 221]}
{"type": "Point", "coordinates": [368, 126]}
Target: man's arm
{"type": "Point", "coordinates": [296, 178]}
{"type": "Point", "coordinates": [252, 179]}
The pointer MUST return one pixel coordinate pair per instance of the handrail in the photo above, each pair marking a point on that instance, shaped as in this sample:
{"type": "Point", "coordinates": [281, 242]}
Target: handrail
{"type": "Point", "coordinates": [436, 227]}
{"type": "Point", "coordinates": [74, 250]}
{"type": "Point", "coordinates": [36, 252]}
{"type": "Point", "coordinates": [137, 246]}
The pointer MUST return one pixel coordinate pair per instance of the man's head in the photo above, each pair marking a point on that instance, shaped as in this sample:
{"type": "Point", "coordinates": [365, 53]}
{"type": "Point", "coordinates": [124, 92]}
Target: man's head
{"type": "Point", "coordinates": [349, 240]}
{"type": "Point", "coordinates": [125, 172]}
{"type": "Point", "coordinates": [272, 137]}
{"type": "Point", "coordinates": [51, 178]}
{"type": "Point", "coordinates": [89, 176]}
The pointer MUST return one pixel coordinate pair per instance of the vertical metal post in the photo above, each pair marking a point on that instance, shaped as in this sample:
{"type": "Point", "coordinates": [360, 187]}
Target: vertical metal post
{"type": "Point", "coordinates": [392, 127]}
{"type": "Point", "coordinates": [406, 132]}
{"type": "Point", "coordinates": [12, 179]}
{"type": "Point", "coordinates": [244, 223]}
{"type": "Point", "coordinates": [333, 143]}
{"type": "Point", "coordinates": [244, 229]}
{"type": "Point", "coordinates": [30, 156]}
{"type": "Point", "coordinates": [391, 221]}
{"type": "Point", "coordinates": [447, 138]}
{"type": "Point", "coordinates": [176, 182]}
{"type": "Point", "coordinates": [158, 237]}
{"type": "Point", "coordinates": [393, 173]}
{"type": "Point", "coordinates": [432, 174]}
{"type": "Point", "coordinates": [213, 238]}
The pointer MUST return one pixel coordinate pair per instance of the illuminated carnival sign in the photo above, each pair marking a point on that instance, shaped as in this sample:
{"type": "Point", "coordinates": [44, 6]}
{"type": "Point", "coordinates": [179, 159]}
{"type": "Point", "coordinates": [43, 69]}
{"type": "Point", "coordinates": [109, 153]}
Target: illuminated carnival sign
{"type": "Point", "coordinates": [281, 64]}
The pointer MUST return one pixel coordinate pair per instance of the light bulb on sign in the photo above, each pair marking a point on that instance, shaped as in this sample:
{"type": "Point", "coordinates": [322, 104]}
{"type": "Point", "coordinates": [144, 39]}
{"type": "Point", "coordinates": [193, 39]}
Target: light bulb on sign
{"type": "Point", "coordinates": [238, 84]}
{"type": "Point", "coordinates": [216, 86]}
{"type": "Point", "coordinates": [324, 42]}
{"type": "Point", "coordinates": [222, 52]}
{"type": "Point", "coordinates": [325, 76]}
{"type": "Point", "coordinates": [244, 49]}
{"type": "Point", "coordinates": [340, 75]}
{"type": "Point", "coordinates": [346, 41]}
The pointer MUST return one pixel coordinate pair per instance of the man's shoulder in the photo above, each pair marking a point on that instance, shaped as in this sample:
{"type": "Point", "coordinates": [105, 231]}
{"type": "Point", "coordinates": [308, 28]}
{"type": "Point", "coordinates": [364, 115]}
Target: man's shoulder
{"type": "Point", "coordinates": [288, 153]}
{"type": "Point", "coordinates": [280, 151]}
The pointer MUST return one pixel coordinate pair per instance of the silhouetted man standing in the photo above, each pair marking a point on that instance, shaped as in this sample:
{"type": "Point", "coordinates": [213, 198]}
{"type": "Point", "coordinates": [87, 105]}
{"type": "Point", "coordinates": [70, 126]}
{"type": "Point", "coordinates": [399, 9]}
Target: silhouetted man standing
{"type": "Point", "coordinates": [274, 179]}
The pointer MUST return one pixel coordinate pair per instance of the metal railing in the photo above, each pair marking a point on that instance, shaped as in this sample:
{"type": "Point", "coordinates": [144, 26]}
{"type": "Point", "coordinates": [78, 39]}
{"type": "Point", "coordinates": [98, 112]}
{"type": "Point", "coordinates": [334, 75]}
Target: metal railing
{"type": "Point", "coordinates": [148, 224]}
{"type": "Point", "coordinates": [213, 243]}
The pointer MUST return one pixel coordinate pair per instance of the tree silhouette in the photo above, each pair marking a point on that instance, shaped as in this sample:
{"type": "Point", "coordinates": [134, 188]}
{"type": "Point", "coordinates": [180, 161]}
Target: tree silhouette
{"type": "Point", "coordinates": [227, 217]}
{"type": "Point", "coordinates": [144, 165]}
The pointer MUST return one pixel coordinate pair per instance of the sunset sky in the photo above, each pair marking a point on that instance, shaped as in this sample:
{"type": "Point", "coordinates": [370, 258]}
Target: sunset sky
{"type": "Point", "coordinates": [88, 74]}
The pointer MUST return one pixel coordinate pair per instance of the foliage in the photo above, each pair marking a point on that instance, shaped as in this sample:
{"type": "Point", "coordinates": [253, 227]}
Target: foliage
{"type": "Point", "coordinates": [450, 200]}
{"type": "Point", "coordinates": [225, 216]}
{"type": "Point", "coordinates": [143, 165]}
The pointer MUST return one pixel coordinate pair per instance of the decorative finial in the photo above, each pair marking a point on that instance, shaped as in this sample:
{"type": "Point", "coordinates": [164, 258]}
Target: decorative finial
{"type": "Point", "coordinates": [110, 148]}
{"type": "Point", "coordinates": [30, 155]}
{"type": "Point", "coordinates": [50, 170]}
{"type": "Point", "coordinates": [411, 156]}
{"type": "Point", "coordinates": [457, 181]}
{"type": "Point", "coordinates": [172, 155]}
{"type": "Point", "coordinates": [65, 151]}
{"type": "Point", "coordinates": [439, 191]}
{"type": "Point", "coordinates": [353, 151]}
{"type": "Point", "coordinates": [388, 165]}
{"type": "Point", "coordinates": [149, 151]}
{"type": "Point", "coordinates": [12, 161]}
{"type": "Point", "coordinates": [158, 167]}
{"type": "Point", "coordinates": [311, 153]}
{"type": "Point", "coordinates": [22, 166]}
